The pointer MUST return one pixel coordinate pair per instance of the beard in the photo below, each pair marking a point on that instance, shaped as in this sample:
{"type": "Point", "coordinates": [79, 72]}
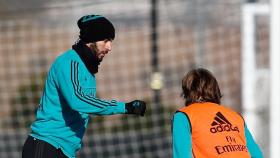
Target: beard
{"type": "Point", "coordinates": [94, 50]}
{"type": "Point", "coordinates": [88, 56]}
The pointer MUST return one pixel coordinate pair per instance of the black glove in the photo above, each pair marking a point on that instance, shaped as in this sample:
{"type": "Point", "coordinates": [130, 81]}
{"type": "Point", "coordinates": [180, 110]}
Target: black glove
{"type": "Point", "coordinates": [137, 107]}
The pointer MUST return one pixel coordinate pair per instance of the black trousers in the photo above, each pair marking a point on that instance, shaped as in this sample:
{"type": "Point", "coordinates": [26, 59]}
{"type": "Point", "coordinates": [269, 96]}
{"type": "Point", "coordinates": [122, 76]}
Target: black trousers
{"type": "Point", "coordinates": [35, 148]}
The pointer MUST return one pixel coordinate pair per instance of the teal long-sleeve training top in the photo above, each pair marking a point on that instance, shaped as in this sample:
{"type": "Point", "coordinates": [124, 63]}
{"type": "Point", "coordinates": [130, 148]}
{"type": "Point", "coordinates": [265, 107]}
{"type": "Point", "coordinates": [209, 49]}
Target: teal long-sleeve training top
{"type": "Point", "coordinates": [182, 141]}
{"type": "Point", "coordinates": [69, 97]}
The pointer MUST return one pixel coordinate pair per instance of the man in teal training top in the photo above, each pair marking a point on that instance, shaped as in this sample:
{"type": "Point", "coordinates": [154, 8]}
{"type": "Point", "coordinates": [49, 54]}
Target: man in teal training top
{"type": "Point", "coordinates": [69, 95]}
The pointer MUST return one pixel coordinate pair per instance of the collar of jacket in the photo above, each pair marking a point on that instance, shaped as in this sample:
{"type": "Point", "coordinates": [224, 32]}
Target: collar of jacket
{"type": "Point", "coordinates": [90, 59]}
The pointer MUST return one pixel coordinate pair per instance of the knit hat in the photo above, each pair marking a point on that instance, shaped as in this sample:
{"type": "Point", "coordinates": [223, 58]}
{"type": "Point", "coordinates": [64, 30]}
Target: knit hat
{"type": "Point", "coordinates": [95, 28]}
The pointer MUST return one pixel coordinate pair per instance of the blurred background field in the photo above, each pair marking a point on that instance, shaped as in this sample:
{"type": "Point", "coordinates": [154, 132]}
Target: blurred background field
{"type": "Point", "coordinates": [168, 37]}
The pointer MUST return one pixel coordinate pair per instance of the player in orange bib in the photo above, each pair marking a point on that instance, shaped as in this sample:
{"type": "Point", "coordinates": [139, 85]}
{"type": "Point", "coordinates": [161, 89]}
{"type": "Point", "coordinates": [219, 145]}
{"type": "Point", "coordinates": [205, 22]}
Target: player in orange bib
{"type": "Point", "coordinates": [205, 129]}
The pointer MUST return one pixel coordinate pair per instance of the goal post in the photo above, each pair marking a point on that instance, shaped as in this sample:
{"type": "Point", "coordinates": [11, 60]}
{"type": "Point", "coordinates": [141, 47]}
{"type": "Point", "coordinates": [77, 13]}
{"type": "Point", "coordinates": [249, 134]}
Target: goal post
{"type": "Point", "coordinates": [275, 78]}
{"type": "Point", "coordinates": [249, 66]}
{"type": "Point", "coordinates": [251, 73]}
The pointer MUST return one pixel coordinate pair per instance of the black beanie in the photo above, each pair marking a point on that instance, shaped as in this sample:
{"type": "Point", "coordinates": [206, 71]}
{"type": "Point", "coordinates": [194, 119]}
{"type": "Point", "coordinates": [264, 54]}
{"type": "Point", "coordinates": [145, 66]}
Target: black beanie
{"type": "Point", "coordinates": [95, 28]}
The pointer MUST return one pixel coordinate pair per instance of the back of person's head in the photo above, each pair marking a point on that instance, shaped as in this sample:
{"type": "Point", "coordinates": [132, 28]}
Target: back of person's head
{"type": "Point", "coordinates": [95, 28]}
{"type": "Point", "coordinates": [199, 85]}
